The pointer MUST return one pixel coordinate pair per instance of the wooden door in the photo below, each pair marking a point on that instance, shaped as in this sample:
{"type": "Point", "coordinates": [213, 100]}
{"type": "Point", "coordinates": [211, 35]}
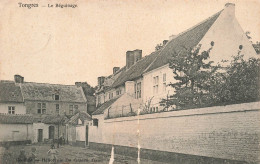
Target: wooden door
{"type": "Point", "coordinates": [40, 135]}
{"type": "Point", "coordinates": [51, 132]}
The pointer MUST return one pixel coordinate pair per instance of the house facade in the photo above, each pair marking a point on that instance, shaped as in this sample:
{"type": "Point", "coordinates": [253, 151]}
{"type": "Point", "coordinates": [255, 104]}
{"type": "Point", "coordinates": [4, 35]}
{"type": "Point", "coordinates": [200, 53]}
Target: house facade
{"type": "Point", "coordinates": [11, 99]}
{"type": "Point", "coordinates": [15, 125]}
{"type": "Point", "coordinates": [150, 76]}
{"type": "Point", "coordinates": [50, 105]}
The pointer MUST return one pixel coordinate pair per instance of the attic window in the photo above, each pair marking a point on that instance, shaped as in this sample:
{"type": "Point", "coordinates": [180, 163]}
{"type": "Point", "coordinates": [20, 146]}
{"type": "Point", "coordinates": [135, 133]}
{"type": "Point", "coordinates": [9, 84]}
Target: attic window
{"type": "Point", "coordinates": [95, 122]}
{"type": "Point", "coordinates": [56, 97]}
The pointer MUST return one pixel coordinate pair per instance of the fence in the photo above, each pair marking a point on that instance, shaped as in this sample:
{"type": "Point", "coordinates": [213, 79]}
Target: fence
{"type": "Point", "coordinates": [132, 110]}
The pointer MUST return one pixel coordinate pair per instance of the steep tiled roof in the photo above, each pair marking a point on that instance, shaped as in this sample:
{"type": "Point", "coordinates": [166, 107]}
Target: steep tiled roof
{"type": "Point", "coordinates": [135, 70]}
{"type": "Point", "coordinates": [188, 39]}
{"type": "Point", "coordinates": [110, 80]}
{"type": "Point", "coordinates": [81, 115]}
{"type": "Point", "coordinates": [45, 92]}
{"type": "Point", "coordinates": [54, 119]}
{"type": "Point", "coordinates": [9, 92]}
{"type": "Point", "coordinates": [15, 119]}
{"type": "Point", "coordinates": [104, 106]}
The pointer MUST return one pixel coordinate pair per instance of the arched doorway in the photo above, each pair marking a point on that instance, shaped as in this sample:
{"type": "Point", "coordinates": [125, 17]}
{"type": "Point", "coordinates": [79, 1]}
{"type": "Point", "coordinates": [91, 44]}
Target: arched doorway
{"type": "Point", "coordinates": [51, 132]}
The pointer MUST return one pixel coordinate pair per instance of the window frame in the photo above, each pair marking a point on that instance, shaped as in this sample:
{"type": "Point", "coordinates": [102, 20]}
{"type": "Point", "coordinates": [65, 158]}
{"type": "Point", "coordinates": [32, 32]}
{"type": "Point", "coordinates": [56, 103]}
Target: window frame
{"type": "Point", "coordinates": [164, 82]}
{"type": "Point", "coordinates": [58, 108]}
{"type": "Point", "coordinates": [11, 109]}
{"type": "Point", "coordinates": [42, 108]}
{"type": "Point", "coordinates": [155, 84]}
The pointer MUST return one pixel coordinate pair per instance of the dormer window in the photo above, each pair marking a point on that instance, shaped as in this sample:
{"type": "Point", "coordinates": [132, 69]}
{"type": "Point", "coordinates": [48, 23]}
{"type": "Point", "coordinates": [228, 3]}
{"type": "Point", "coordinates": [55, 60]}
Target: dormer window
{"type": "Point", "coordinates": [56, 97]}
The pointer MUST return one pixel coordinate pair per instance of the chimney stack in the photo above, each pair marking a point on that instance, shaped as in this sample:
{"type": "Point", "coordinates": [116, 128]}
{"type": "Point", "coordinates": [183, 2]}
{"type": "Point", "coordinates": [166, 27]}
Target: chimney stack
{"type": "Point", "coordinates": [115, 69]}
{"type": "Point", "coordinates": [230, 9]}
{"type": "Point", "coordinates": [78, 84]}
{"type": "Point", "coordinates": [18, 79]}
{"type": "Point", "coordinates": [101, 80]}
{"type": "Point", "coordinates": [137, 55]}
{"type": "Point", "coordinates": [165, 42]}
{"type": "Point", "coordinates": [129, 59]}
{"type": "Point", "coordinates": [172, 37]}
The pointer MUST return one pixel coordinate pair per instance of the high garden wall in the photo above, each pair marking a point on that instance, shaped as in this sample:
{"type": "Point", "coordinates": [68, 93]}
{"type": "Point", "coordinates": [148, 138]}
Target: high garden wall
{"type": "Point", "coordinates": [226, 132]}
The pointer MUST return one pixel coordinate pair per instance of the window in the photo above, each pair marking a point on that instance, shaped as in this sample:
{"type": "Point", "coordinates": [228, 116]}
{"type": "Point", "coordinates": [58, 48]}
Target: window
{"type": "Point", "coordinates": [41, 108]}
{"type": "Point", "coordinates": [138, 93]}
{"type": "Point", "coordinates": [95, 122]}
{"type": "Point", "coordinates": [58, 108]}
{"type": "Point", "coordinates": [118, 92]}
{"type": "Point", "coordinates": [56, 97]}
{"type": "Point", "coordinates": [11, 110]}
{"type": "Point", "coordinates": [110, 95]}
{"type": "Point", "coordinates": [155, 84]}
{"type": "Point", "coordinates": [72, 108]}
{"type": "Point", "coordinates": [164, 82]}
{"type": "Point", "coordinates": [99, 100]}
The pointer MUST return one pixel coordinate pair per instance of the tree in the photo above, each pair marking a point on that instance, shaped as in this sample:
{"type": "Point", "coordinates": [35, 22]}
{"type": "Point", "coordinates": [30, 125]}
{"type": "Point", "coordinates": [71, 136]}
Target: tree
{"type": "Point", "coordinates": [199, 84]}
{"type": "Point", "coordinates": [192, 71]}
{"type": "Point", "coordinates": [87, 89]}
{"type": "Point", "coordinates": [241, 81]}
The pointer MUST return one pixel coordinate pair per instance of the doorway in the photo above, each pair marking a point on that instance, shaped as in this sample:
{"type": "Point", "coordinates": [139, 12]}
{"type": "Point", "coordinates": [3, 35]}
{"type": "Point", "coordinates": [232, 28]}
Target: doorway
{"type": "Point", "coordinates": [40, 135]}
{"type": "Point", "coordinates": [51, 132]}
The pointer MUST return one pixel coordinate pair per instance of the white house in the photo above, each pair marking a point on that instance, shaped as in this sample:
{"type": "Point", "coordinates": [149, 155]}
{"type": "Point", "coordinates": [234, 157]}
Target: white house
{"type": "Point", "coordinates": [146, 78]}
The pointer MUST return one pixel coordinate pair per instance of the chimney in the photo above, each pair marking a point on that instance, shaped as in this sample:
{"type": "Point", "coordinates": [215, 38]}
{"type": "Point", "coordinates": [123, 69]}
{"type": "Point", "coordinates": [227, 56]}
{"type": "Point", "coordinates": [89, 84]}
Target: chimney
{"type": "Point", "coordinates": [78, 84]}
{"type": "Point", "coordinates": [230, 9]}
{"type": "Point", "coordinates": [101, 80]}
{"type": "Point", "coordinates": [129, 59]}
{"type": "Point", "coordinates": [172, 37]}
{"type": "Point", "coordinates": [18, 79]}
{"type": "Point", "coordinates": [164, 42]}
{"type": "Point", "coordinates": [137, 55]}
{"type": "Point", "coordinates": [115, 69]}
{"type": "Point", "coordinates": [130, 88]}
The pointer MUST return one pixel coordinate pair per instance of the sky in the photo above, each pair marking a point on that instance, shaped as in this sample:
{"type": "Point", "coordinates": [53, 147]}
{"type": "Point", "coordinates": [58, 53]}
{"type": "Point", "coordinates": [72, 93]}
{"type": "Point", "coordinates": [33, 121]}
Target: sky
{"type": "Point", "coordinates": [62, 46]}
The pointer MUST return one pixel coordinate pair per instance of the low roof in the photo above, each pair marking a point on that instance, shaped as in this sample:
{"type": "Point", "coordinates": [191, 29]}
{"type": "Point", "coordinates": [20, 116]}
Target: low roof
{"type": "Point", "coordinates": [81, 115]}
{"type": "Point", "coordinates": [135, 70]}
{"type": "Point", "coordinates": [54, 119]}
{"type": "Point", "coordinates": [45, 92]}
{"type": "Point", "coordinates": [10, 92]}
{"type": "Point", "coordinates": [15, 119]}
{"type": "Point", "coordinates": [104, 106]}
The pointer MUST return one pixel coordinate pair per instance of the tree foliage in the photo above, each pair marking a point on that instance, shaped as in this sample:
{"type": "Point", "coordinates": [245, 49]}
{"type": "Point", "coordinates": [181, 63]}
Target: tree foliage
{"type": "Point", "coordinates": [199, 84]}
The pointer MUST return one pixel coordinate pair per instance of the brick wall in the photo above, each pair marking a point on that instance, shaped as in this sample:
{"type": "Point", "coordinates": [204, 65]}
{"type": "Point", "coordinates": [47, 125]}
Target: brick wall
{"type": "Point", "coordinates": [227, 132]}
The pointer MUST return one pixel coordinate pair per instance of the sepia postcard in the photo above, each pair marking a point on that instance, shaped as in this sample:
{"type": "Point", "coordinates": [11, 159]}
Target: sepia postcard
{"type": "Point", "coordinates": [129, 81]}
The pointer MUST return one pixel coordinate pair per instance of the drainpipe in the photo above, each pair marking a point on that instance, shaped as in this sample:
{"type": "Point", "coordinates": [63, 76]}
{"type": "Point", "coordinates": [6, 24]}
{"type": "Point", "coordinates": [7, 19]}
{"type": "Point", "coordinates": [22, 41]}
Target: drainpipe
{"type": "Point", "coordinates": [26, 131]}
